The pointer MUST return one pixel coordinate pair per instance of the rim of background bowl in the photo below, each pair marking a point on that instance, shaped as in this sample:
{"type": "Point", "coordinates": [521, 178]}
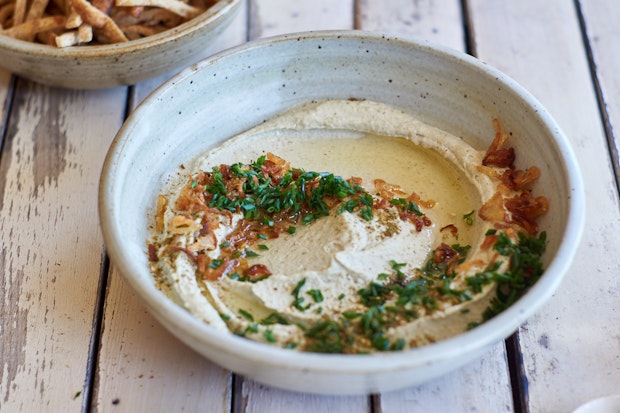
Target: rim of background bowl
{"type": "Point", "coordinates": [215, 12]}
{"type": "Point", "coordinates": [486, 334]}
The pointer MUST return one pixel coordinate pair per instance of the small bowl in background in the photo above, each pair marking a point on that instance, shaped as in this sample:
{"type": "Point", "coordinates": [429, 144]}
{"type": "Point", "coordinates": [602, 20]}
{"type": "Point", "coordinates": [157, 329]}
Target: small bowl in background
{"type": "Point", "coordinates": [118, 64]}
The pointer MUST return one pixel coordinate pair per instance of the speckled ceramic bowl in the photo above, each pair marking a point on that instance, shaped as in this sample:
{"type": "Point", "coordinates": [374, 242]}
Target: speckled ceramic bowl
{"type": "Point", "coordinates": [103, 66]}
{"type": "Point", "coordinates": [239, 88]}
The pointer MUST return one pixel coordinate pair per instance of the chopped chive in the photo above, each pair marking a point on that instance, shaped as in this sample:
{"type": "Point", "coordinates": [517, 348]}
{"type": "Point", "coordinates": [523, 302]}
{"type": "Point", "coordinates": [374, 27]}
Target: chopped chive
{"type": "Point", "coordinates": [469, 218]}
{"type": "Point", "coordinates": [383, 276]}
{"type": "Point", "coordinates": [268, 334]}
{"type": "Point", "coordinates": [246, 315]}
{"type": "Point", "coordinates": [316, 295]}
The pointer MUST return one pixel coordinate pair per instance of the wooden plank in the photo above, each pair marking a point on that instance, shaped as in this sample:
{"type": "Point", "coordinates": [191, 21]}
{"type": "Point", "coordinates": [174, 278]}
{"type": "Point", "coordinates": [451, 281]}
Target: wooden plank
{"type": "Point", "coordinates": [571, 347]}
{"type": "Point", "coordinates": [5, 92]}
{"type": "Point", "coordinates": [144, 368]}
{"type": "Point", "coordinates": [141, 366]}
{"type": "Point", "coordinates": [51, 243]}
{"type": "Point", "coordinates": [273, 17]}
{"type": "Point", "coordinates": [270, 18]}
{"type": "Point", "coordinates": [258, 398]}
{"type": "Point", "coordinates": [600, 19]}
{"type": "Point", "coordinates": [439, 22]}
{"type": "Point", "coordinates": [483, 385]}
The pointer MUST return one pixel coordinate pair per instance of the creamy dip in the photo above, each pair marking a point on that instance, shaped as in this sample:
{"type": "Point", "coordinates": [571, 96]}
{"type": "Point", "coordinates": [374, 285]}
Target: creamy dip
{"type": "Point", "coordinates": [412, 260]}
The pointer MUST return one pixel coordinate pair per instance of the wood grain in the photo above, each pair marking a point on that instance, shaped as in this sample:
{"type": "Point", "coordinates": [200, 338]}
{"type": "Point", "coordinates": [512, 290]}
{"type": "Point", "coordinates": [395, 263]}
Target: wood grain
{"type": "Point", "coordinates": [141, 366]}
{"type": "Point", "coordinates": [270, 18]}
{"type": "Point", "coordinates": [51, 244]}
{"type": "Point", "coordinates": [571, 348]}
{"type": "Point", "coordinates": [459, 391]}
{"type": "Point", "coordinates": [273, 17]}
{"type": "Point", "coordinates": [601, 20]}
{"type": "Point", "coordinates": [439, 22]}
{"type": "Point", "coordinates": [52, 258]}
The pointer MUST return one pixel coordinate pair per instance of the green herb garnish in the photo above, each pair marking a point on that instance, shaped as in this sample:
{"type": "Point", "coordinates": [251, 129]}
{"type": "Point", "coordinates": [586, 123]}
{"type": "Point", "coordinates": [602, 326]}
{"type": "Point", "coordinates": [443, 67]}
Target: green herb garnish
{"type": "Point", "coordinates": [469, 218]}
{"type": "Point", "coordinates": [268, 334]}
{"type": "Point", "coordinates": [297, 192]}
{"type": "Point", "coordinates": [407, 205]}
{"type": "Point", "coordinates": [400, 298]}
{"type": "Point", "coordinates": [316, 295]}
{"type": "Point", "coordinates": [246, 314]}
{"type": "Point", "coordinates": [298, 301]}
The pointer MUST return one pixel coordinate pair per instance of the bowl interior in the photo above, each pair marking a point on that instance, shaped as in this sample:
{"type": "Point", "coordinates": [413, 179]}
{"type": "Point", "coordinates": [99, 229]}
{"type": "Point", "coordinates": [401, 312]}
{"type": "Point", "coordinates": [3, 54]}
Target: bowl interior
{"type": "Point", "coordinates": [237, 89]}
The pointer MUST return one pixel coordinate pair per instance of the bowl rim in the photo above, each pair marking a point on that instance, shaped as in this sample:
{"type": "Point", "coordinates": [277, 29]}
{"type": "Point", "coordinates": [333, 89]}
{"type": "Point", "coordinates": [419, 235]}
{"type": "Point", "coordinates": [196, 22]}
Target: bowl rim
{"type": "Point", "coordinates": [210, 15]}
{"type": "Point", "coordinates": [483, 336]}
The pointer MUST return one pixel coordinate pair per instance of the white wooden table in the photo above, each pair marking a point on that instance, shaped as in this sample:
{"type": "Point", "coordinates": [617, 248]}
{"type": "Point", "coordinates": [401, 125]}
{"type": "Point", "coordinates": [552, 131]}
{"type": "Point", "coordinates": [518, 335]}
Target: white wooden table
{"type": "Point", "coordinates": [73, 337]}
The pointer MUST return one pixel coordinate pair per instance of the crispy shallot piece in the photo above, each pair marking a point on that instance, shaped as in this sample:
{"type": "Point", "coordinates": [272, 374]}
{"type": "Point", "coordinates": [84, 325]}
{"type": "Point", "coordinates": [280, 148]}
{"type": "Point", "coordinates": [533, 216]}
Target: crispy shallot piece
{"type": "Point", "coordinates": [180, 224]}
{"type": "Point", "coordinates": [162, 204]}
{"type": "Point", "coordinates": [452, 229]}
{"type": "Point", "coordinates": [447, 255]}
{"type": "Point", "coordinates": [206, 242]}
{"type": "Point", "coordinates": [152, 251]}
{"type": "Point", "coordinates": [419, 221]}
{"type": "Point", "coordinates": [191, 198]}
{"type": "Point", "coordinates": [392, 191]}
{"type": "Point", "coordinates": [517, 179]}
{"type": "Point", "coordinates": [522, 209]}
{"type": "Point", "coordinates": [489, 241]}
{"type": "Point", "coordinates": [388, 191]}
{"type": "Point", "coordinates": [275, 167]}
{"type": "Point", "coordinates": [430, 203]}
{"type": "Point", "coordinates": [493, 209]}
{"type": "Point", "coordinates": [513, 179]}
{"type": "Point", "coordinates": [193, 257]}
{"type": "Point", "coordinates": [257, 271]}
{"type": "Point", "coordinates": [355, 180]}
{"type": "Point", "coordinates": [497, 155]}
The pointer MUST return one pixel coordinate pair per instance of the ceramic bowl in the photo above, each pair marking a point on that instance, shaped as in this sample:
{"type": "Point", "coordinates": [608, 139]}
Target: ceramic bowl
{"type": "Point", "coordinates": [607, 404]}
{"type": "Point", "coordinates": [104, 66]}
{"type": "Point", "coordinates": [239, 88]}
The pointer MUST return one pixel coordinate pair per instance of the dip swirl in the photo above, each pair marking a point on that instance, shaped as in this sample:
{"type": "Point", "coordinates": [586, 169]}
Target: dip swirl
{"type": "Point", "coordinates": [349, 227]}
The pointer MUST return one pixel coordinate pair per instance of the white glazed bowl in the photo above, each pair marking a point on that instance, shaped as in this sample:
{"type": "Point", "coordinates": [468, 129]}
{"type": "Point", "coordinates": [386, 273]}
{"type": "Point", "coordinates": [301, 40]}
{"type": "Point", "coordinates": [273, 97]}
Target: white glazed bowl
{"type": "Point", "coordinates": [239, 88]}
{"type": "Point", "coordinates": [104, 66]}
{"type": "Point", "coordinates": [606, 404]}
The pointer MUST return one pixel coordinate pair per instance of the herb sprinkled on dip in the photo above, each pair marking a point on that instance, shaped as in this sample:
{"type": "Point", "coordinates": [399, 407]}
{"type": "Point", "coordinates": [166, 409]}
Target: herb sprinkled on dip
{"type": "Point", "coordinates": [346, 226]}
